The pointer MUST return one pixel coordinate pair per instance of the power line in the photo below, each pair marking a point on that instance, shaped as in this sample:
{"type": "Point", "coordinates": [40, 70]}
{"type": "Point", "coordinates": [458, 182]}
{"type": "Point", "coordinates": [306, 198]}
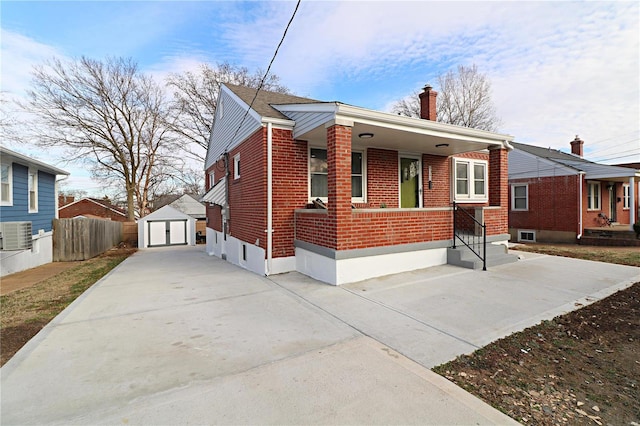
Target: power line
{"type": "Point", "coordinates": [591, 144]}
{"type": "Point", "coordinates": [264, 77]}
{"type": "Point", "coordinates": [618, 145]}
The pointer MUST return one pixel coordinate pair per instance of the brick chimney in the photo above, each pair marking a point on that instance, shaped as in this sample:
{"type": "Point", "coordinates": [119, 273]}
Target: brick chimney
{"type": "Point", "coordinates": [428, 103]}
{"type": "Point", "coordinates": [577, 146]}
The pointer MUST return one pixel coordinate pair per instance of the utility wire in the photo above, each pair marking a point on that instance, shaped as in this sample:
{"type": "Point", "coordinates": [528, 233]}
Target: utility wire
{"type": "Point", "coordinates": [264, 77]}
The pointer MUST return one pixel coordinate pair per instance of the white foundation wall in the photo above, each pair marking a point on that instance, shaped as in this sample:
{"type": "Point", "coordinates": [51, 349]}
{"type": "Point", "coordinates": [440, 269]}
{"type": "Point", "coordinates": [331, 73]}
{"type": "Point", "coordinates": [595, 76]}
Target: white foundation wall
{"type": "Point", "coordinates": [20, 260]}
{"type": "Point", "coordinates": [345, 271]}
{"type": "Point", "coordinates": [214, 243]}
{"type": "Point", "coordinates": [280, 265]}
{"type": "Point", "coordinates": [232, 248]}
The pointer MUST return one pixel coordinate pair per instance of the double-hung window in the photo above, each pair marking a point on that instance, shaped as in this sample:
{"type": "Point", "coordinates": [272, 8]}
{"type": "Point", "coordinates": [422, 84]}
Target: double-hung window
{"type": "Point", "coordinates": [626, 196]}
{"type": "Point", "coordinates": [33, 190]}
{"type": "Point", "coordinates": [318, 170]}
{"type": "Point", "coordinates": [6, 185]}
{"type": "Point", "coordinates": [593, 195]}
{"type": "Point", "coordinates": [519, 197]}
{"type": "Point", "coordinates": [470, 180]}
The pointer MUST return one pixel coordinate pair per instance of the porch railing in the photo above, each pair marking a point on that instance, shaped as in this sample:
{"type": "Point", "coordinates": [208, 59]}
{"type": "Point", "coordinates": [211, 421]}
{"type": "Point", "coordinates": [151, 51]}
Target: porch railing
{"type": "Point", "coordinates": [470, 232]}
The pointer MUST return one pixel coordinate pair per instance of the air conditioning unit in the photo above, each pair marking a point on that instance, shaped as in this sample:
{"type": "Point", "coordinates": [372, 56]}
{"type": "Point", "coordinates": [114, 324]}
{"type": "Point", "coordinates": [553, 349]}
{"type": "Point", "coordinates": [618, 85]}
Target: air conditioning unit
{"type": "Point", "coordinates": [15, 236]}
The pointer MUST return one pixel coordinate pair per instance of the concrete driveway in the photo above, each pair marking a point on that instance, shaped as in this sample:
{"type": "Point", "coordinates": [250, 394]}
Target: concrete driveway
{"type": "Point", "coordinates": [173, 336]}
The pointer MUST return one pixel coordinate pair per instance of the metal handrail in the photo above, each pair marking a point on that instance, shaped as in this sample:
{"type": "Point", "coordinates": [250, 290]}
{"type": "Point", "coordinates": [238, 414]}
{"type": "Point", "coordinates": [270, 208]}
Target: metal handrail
{"type": "Point", "coordinates": [471, 240]}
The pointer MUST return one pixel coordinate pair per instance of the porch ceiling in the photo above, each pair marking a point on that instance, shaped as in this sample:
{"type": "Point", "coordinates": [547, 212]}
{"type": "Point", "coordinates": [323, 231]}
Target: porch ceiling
{"type": "Point", "coordinates": [402, 141]}
{"type": "Point", "coordinates": [405, 134]}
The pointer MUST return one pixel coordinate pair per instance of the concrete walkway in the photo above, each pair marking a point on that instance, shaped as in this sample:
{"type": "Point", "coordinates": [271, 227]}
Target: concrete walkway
{"type": "Point", "coordinates": [173, 336]}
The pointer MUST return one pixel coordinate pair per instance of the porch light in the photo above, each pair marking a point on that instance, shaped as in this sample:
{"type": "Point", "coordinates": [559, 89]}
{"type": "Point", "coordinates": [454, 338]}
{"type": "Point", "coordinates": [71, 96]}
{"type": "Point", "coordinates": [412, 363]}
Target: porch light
{"type": "Point", "coordinates": [365, 135]}
{"type": "Point", "coordinates": [442, 145]}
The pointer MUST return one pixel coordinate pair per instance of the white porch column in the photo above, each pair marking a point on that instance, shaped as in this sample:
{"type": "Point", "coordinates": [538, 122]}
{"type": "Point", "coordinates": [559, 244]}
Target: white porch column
{"type": "Point", "coordinates": [632, 201]}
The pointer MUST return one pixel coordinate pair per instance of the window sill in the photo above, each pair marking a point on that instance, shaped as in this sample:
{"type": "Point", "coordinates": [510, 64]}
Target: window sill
{"type": "Point", "coordinates": [471, 201]}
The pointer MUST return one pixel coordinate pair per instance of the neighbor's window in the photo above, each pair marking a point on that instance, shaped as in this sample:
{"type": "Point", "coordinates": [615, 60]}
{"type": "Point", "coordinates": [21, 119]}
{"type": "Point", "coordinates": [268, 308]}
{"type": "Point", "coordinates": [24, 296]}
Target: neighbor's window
{"type": "Point", "coordinates": [6, 185]}
{"type": "Point", "coordinates": [33, 191]}
{"type": "Point", "coordinates": [236, 167]}
{"type": "Point", "coordinates": [626, 196]}
{"type": "Point", "coordinates": [470, 180]}
{"type": "Point", "coordinates": [318, 175]}
{"type": "Point", "coordinates": [593, 195]}
{"type": "Point", "coordinates": [519, 197]}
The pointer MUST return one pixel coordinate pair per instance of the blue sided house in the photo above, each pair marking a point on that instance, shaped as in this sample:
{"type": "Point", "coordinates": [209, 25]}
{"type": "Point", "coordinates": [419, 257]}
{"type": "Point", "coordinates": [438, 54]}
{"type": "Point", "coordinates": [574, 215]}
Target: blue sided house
{"type": "Point", "coordinates": [28, 205]}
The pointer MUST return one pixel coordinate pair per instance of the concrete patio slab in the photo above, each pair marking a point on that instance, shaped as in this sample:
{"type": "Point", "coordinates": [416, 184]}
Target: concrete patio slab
{"type": "Point", "coordinates": [173, 336]}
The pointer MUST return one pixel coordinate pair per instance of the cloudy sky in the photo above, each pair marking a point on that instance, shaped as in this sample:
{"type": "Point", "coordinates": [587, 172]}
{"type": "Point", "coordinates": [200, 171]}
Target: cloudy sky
{"type": "Point", "coordinates": [558, 69]}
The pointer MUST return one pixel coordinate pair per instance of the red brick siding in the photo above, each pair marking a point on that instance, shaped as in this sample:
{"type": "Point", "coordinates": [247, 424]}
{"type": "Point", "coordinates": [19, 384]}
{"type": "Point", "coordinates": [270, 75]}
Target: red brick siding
{"type": "Point", "coordinates": [290, 188]}
{"type": "Point", "coordinates": [88, 207]}
{"type": "Point", "coordinates": [382, 177]}
{"type": "Point", "coordinates": [248, 193]}
{"type": "Point", "coordinates": [499, 177]}
{"type": "Point", "coordinates": [365, 229]}
{"type": "Point", "coordinates": [214, 217]}
{"type": "Point", "coordinates": [440, 193]}
{"type": "Point", "coordinates": [553, 204]}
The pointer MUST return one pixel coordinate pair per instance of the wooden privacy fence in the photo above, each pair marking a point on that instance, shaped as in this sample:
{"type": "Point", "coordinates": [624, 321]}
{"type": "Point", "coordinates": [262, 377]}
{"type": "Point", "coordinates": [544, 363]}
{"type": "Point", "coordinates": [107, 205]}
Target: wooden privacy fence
{"type": "Point", "coordinates": [81, 239]}
{"type": "Point", "coordinates": [130, 233]}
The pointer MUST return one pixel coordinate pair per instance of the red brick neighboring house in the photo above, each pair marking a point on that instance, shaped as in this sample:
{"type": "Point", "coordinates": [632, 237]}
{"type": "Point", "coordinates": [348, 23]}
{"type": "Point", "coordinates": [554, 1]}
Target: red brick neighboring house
{"type": "Point", "coordinates": [388, 183]}
{"type": "Point", "coordinates": [92, 208]}
{"type": "Point", "coordinates": [554, 196]}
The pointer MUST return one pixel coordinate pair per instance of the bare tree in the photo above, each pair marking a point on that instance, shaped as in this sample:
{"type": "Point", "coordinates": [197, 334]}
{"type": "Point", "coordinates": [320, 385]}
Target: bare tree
{"type": "Point", "coordinates": [464, 99]}
{"type": "Point", "coordinates": [108, 114]}
{"type": "Point", "coordinates": [9, 122]}
{"type": "Point", "coordinates": [195, 97]}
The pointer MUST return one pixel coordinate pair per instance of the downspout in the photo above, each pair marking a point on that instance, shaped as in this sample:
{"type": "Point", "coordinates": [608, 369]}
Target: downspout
{"type": "Point", "coordinates": [269, 197]}
{"type": "Point", "coordinates": [580, 175]}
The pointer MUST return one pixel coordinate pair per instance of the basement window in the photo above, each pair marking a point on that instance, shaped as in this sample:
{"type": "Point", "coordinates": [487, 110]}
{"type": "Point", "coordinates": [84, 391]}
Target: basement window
{"type": "Point", "coordinates": [525, 235]}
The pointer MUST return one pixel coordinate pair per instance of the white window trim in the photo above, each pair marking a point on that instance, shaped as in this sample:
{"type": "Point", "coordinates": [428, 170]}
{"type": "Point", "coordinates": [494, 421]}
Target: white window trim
{"type": "Point", "coordinates": [590, 196]}
{"type": "Point", "coordinates": [626, 196]}
{"type": "Point", "coordinates": [35, 183]}
{"type": "Point", "coordinates": [513, 197]}
{"type": "Point", "coordinates": [521, 231]}
{"type": "Point", "coordinates": [236, 166]}
{"type": "Point", "coordinates": [9, 202]}
{"type": "Point", "coordinates": [471, 197]}
{"type": "Point", "coordinates": [362, 199]}
{"type": "Point", "coordinates": [211, 180]}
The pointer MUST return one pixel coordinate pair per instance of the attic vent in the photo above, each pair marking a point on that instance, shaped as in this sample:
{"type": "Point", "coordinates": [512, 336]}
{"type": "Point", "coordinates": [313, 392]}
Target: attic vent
{"type": "Point", "coordinates": [15, 236]}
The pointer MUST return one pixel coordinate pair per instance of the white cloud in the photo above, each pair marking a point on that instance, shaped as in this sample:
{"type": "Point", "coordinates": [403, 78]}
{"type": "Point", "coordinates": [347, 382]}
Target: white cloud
{"type": "Point", "coordinates": [557, 68]}
{"type": "Point", "coordinates": [18, 55]}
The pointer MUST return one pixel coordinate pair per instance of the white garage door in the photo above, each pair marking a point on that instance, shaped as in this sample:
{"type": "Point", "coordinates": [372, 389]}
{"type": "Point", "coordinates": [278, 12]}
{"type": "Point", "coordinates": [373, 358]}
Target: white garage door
{"type": "Point", "coordinates": [167, 233]}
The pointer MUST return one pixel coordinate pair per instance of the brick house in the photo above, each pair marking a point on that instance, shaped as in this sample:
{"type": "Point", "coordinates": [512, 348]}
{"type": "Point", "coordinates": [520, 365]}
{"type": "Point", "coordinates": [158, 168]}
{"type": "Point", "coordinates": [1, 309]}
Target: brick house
{"type": "Point", "coordinates": [554, 196]}
{"type": "Point", "coordinates": [93, 208]}
{"type": "Point", "coordinates": [387, 181]}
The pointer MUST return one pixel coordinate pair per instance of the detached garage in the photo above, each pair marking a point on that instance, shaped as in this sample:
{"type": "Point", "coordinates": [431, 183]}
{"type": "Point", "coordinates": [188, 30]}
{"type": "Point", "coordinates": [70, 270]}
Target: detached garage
{"type": "Point", "coordinates": [166, 227]}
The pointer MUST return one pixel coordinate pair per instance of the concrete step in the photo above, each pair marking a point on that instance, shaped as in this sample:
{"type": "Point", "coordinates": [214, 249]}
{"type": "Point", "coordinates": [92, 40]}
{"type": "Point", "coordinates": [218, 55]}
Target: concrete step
{"type": "Point", "coordinates": [497, 254]}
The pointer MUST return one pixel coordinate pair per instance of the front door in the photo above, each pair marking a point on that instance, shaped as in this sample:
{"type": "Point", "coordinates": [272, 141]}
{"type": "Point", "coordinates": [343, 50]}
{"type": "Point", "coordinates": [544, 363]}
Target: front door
{"type": "Point", "coordinates": [409, 182]}
{"type": "Point", "coordinates": [612, 202]}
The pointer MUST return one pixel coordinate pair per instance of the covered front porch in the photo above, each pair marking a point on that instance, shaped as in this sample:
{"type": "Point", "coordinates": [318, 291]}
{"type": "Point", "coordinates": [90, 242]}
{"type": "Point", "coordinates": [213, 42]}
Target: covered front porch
{"type": "Point", "coordinates": [392, 211]}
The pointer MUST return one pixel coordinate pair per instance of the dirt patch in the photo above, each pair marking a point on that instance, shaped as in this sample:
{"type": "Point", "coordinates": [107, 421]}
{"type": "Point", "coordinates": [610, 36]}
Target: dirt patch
{"type": "Point", "coordinates": [26, 311]}
{"type": "Point", "coordinates": [582, 368]}
{"type": "Point", "coordinates": [619, 255]}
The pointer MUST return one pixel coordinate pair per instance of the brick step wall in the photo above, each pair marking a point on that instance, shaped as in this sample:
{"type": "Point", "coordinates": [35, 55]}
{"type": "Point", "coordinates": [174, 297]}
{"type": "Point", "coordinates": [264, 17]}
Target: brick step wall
{"type": "Point", "coordinates": [604, 237]}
